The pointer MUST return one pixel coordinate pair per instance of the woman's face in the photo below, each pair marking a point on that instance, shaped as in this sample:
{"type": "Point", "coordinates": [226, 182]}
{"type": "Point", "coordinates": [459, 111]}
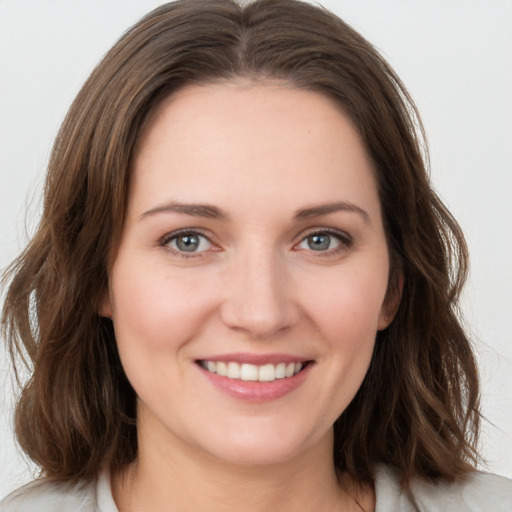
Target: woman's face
{"type": "Point", "coordinates": [250, 280]}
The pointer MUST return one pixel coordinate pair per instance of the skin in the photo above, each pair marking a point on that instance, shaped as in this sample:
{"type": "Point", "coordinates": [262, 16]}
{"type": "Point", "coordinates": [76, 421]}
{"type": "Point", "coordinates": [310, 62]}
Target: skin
{"type": "Point", "coordinates": [260, 153]}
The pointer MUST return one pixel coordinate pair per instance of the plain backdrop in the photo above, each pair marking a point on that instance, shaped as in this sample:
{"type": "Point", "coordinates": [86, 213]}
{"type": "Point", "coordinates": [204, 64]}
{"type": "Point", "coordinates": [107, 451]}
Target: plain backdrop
{"type": "Point", "coordinates": [455, 56]}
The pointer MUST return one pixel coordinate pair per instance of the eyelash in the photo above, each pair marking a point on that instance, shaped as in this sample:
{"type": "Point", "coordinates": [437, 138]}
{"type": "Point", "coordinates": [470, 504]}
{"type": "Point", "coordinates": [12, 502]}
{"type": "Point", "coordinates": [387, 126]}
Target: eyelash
{"type": "Point", "coordinates": [166, 239]}
{"type": "Point", "coordinates": [346, 241]}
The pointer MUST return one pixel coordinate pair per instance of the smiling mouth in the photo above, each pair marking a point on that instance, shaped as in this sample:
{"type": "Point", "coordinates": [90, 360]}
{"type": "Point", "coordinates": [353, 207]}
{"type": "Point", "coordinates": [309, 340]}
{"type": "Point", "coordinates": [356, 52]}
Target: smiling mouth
{"type": "Point", "coordinates": [251, 372]}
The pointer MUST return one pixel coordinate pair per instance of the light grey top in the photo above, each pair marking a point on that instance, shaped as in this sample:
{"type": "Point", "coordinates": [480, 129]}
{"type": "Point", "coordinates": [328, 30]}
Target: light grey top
{"type": "Point", "coordinates": [480, 492]}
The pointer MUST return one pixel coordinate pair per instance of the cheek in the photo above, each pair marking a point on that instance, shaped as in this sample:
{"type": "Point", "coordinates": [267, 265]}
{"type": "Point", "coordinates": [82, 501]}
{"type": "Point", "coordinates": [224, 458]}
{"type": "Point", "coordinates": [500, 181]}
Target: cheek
{"type": "Point", "coordinates": [154, 322]}
{"type": "Point", "coordinates": [348, 305]}
{"type": "Point", "coordinates": [343, 317]}
{"type": "Point", "coordinates": [346, 314]}
{"type": "Point", "coordinates": [152, 306]}
{"type": "Point", "coordinates": [349, 327]}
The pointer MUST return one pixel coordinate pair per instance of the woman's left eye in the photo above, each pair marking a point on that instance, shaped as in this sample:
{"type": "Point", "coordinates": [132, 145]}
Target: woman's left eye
{"type": "Point", "coordinates": [324, 242]}
{"type": "Point", "coordinates": [188, 242]}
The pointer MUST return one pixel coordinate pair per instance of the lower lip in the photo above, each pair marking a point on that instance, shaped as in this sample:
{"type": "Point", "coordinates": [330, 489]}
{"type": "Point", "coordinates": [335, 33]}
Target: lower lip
{"type": "Point", "coordinates": [255, 391]}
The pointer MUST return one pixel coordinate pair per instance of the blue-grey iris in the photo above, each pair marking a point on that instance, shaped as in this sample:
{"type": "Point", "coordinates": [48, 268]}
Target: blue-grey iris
{"type": "Point", "coordinates": [187, 243]}
{"type": "Point", "coordinates": [319, 242]}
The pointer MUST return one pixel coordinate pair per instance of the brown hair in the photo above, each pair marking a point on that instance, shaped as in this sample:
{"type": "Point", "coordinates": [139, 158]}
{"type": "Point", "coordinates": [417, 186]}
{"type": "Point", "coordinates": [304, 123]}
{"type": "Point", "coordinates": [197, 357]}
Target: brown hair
{"type": "Point", "coordinates": [418, 406]}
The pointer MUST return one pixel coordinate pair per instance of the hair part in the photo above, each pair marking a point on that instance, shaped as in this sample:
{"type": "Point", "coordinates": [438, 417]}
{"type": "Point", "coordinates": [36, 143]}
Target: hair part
{"type": "Point", "coordinates": [418, 406]}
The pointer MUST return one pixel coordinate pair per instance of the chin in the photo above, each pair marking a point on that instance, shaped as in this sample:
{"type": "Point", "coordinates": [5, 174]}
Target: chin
{"type": "Point", "coordinates": [265, 448]}
{"type": "Point", "coordinates": [258, 456]}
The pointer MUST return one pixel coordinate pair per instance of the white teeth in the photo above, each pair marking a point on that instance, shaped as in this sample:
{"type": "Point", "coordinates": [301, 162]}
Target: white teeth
{"type": "Point", "coordinates": [250, 372]}
{"type": "Point", "coordinates": [267, 373]}
{"type": "Point", "coordinates": [222, 369]}
{"type": "Point", "coordinates": [280, 371]}
{"type": "Point", "coordinates": [290, 369]}
{"type": "Point", "coordinates": [233, 371]}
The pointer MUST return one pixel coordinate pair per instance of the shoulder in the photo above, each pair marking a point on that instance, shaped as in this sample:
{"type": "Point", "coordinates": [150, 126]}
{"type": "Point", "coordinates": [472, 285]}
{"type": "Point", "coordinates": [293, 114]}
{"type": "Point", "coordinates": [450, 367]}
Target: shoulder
{"type": "Point", "coordinates": [478, 492]}
{"type": "Point", "coordinates": [48, 496]}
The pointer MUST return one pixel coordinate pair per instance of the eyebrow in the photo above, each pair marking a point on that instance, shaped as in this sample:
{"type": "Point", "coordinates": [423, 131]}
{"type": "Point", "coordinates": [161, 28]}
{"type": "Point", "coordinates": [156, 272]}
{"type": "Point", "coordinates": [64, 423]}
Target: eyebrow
{"type": "Point", "coordinates": [325, 209]}
{"type": "Point", "coordinates": [194, 209]}
{"type": "Point", "coordinates": [213, 212]}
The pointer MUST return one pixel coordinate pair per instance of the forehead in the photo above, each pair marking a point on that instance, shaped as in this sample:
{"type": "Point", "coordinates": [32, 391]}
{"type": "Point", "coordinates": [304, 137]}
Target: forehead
{"type": "Point", "coordinates": [247, 106]}
{"type": "Point", "coordinates": [235, 142]}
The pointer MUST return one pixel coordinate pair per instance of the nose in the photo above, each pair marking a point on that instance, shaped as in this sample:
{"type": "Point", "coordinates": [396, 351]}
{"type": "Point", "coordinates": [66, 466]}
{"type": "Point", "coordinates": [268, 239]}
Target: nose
{"type": "Point", "coordinates": [259, 296]}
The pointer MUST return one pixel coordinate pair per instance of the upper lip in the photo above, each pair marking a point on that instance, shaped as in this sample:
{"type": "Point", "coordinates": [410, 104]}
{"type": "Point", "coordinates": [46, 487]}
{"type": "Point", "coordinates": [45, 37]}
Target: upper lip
{"type": "Point", "coordinates": [256, 359]}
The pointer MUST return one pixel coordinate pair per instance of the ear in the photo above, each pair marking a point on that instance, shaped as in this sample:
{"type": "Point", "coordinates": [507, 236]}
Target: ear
{"type": "Point", "coordinates": [105, 305]}
{"type": "Point", "coordinates": [392, 300]}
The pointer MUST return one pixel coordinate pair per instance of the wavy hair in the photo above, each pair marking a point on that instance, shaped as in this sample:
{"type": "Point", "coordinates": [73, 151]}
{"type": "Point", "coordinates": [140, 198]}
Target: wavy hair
{"type": "Point", "coordinates": [418, 406]}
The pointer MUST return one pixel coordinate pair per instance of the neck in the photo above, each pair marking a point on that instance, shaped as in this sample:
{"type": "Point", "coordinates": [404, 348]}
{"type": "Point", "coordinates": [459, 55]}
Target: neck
{"type": "Point", "coordinates": [185, 479]}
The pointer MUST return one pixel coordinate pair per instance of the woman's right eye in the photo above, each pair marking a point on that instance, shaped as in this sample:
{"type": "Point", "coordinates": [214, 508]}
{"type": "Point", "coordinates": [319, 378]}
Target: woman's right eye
{"type": "Point", "coordinates": [188, 242]}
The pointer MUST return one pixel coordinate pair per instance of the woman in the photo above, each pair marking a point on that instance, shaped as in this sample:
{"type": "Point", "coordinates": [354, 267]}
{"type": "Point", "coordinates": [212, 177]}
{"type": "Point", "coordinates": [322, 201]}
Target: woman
{"type": "Point", "coordinates": [244, 287]}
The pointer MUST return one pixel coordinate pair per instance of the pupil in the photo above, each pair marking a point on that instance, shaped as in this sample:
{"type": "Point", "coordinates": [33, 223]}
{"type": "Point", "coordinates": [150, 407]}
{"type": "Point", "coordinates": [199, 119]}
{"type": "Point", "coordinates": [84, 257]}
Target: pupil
{"type": "Point", "coordinates": [319, 242]}
{"type": "Point", "coordinates": [187, 243]}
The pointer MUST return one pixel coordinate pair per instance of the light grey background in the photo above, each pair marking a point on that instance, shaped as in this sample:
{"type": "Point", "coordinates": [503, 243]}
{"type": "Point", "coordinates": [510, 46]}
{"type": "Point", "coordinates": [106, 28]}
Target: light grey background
{"type": "Point", "coordinates": [455, 56]}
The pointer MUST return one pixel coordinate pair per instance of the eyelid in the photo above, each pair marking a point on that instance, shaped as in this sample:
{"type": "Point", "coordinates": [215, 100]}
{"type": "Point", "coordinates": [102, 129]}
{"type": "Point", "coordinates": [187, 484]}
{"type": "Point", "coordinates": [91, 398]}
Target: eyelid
{"type": "Point", "coordinates": [184, 231]}
{"type": "Point", "coordinates": [346, 240]}
{"type": "Point", "coordinates": [168, 237]}
{"type": "Point", "coordinates": [325, 230]}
